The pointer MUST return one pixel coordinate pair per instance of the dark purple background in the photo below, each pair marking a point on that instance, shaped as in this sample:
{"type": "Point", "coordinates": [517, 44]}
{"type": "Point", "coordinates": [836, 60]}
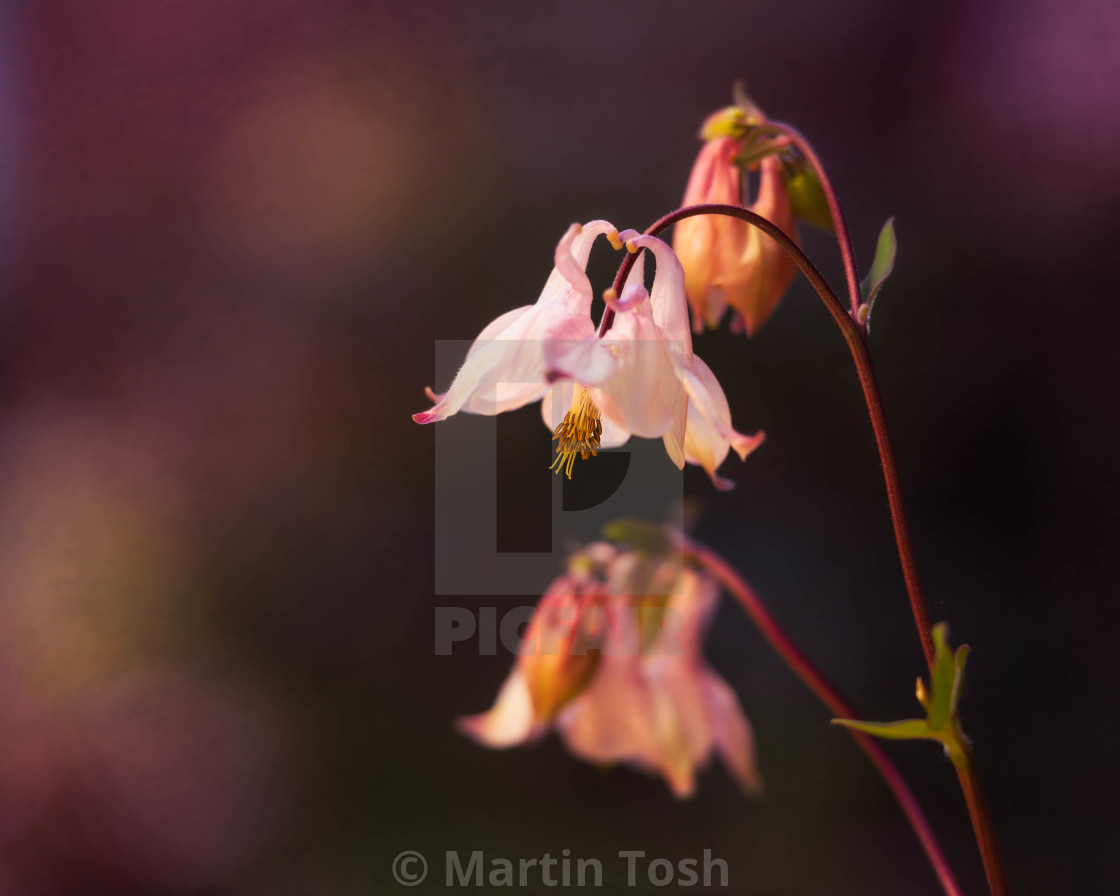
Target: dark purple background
{"type": "Point", "coordinates": [230, 233]}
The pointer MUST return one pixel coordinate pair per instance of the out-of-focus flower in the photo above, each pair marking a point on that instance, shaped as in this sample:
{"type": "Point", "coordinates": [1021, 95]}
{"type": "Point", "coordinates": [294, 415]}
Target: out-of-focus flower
{"type": "Point", "coordinates": [555, 663]}
{"type": "Point", "coordinates": [640, 377]}
{"type": "Point", "coordinates": [727, 261]}
{"type": "Point", "coordinates": [648, 698]}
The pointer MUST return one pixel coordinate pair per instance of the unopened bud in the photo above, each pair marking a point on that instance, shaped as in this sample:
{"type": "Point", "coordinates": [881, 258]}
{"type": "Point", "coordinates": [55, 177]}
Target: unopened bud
{"type": "Point", "coordinates": [556, 666]}
{"type": "Point", "coordinates": [730, 121]}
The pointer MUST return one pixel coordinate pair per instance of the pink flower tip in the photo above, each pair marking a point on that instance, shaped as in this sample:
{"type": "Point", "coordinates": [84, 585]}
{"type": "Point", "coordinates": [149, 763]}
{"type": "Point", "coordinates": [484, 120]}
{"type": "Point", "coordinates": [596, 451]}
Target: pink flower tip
{"type": "Point", "coordinates": [744, 445]}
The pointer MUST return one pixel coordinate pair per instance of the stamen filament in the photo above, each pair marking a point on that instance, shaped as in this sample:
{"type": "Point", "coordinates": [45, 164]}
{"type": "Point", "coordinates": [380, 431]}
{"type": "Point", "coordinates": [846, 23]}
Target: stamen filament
{"type": "Point", "coordinates": [578, 434]}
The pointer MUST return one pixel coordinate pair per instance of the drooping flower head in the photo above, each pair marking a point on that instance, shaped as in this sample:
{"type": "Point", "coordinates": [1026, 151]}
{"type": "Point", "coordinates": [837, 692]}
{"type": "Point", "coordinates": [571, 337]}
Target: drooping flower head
{"type": "Point", "coordinates": [641, 377]}
{"type": "Point", "coordinates": [729, 262]}
{"type": "Point", "coordinates": [646, 697]}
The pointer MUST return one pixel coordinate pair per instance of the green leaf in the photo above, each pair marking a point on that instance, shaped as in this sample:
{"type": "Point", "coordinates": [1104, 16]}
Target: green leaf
{"type": "Point", "coordinates": [881, 267]}
{"type": "Point", "coordinates": [647, 537]}
{"type": "Point", "coordinates": [909, 729]}
{"type": "Point", "coordinates": [806, 197]}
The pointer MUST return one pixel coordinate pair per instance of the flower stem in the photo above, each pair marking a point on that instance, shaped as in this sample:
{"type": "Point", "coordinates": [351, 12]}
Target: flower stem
{"type": "Point", "coordinates": [855, 335]}
{"type": "Point", "coordinates": [982, 825]}
{"type": "Point", "coordinates": [857, 345]}
{"type": "Point", "coordinates": [843, 237]}
{"type": "Point", "coordinates": [831, 698]}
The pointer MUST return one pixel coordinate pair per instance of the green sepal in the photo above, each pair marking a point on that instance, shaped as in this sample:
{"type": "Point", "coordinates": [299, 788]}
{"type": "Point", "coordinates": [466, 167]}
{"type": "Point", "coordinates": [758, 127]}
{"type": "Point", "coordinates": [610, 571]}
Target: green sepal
{"type": "Point", "coordinates": [742, 100]}
{"type": "Point", "coordinates": [730, 121]}
{"type": "Point", "coordinates": [940, 701]}
{"type": "Point", "coordinates": [922, 694]}
{"type": "Point", "coordinates": [908, 729]}
{"type": "Point", "coordinates": [881, 266]}
{"type": "Point", "coordinates": [649, 538]}
{"type": "Point", "coordinates": [942, 677]}
{"type": "Point", "coordinates": [806, 196]}
{"type": "Point", "coordinates": [959, 659]}
{"type": "Point", "coordinates": [755, 153]}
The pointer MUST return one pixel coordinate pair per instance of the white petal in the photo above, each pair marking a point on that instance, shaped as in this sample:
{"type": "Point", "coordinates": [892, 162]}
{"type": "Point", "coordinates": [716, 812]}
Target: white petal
{"type": "Point", "coordinates": [709, 434]}
{"type": "Point", "coordinates": [503, 397]}
{"type": "Point", "coordinates": [497, 328]}
{"type": "Point", "coordinates": [646, 387]}
{"type": "Point", "coordinates": [489, 366]}
{"type": "Point", "coordinates": [509, 722]}
{"type": "Point", "coordinates": [674, 439]}
{"type": "Point", "coordinates": [668, 298]}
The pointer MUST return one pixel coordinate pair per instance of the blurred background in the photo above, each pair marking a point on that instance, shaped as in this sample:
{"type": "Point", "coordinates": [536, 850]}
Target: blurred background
{"type": "Point", "coordinates": [230, 235]}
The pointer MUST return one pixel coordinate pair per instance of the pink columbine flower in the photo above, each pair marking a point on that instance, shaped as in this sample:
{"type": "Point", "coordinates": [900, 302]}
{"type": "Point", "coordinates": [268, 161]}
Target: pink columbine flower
{"type": "Point", "coordinates": [639, 378]}
{"type": "Point", "coordinates": [649, 699]}
{"type": "Point", "coordinates": [726, 261]}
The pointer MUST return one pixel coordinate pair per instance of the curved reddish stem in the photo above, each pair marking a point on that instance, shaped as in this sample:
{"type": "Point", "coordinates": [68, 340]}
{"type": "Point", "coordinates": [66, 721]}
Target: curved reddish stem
{"type": "Point", "coordinates": [832, 698]}
{"type": "Point", "coordinates": [843, 237]}
{"type": "Point", "coordinates": [853, 335]}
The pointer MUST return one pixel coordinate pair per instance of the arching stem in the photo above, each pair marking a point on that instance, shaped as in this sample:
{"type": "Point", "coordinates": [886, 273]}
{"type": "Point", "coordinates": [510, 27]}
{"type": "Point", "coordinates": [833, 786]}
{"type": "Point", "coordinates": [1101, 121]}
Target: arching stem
{"type": "Point", "coordinates": [854, 336]}
{"type": "Point", "coordinates": [857, 345]}
{"type": "Point", "coordinates": [843, 237]}
{"type": "Point", "coordinates": [792, 656]}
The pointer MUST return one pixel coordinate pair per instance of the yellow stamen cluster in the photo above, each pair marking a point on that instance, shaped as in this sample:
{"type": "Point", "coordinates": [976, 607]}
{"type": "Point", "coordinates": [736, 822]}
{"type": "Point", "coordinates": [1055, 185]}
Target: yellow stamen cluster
{"type": "Point", "coordinates": [579, 432]}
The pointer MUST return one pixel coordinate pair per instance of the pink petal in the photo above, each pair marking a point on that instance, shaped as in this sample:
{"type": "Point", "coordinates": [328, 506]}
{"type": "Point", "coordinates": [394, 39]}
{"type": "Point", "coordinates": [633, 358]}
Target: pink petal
{"type": "Point", "coordinates": [572, 349]}
{"type": "Point", "coordinates": [613, 720]}
{"type": "Point", "coordinates": [695, 603]}
{"type": "Point", "coordinates": [633, 294]}
{"type": "Point", "coordinates": [724, 727]}
{"type": "Point", "coordinates": [571, 256]}
{"type": "Point", "coordinates": [732, 732]}
{"type": "Point", "coordinates": [695, 240]}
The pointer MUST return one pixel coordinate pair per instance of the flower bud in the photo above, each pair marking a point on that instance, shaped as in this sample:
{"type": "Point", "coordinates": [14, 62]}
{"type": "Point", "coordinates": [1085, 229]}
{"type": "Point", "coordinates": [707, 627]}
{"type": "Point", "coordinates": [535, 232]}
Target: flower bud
{"type": "Point", "coordinates": [727, 261]}
{"type": "Point", "coordinates": [730, 121]}
{"type": "Point", "coordinates": [556, 658]}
